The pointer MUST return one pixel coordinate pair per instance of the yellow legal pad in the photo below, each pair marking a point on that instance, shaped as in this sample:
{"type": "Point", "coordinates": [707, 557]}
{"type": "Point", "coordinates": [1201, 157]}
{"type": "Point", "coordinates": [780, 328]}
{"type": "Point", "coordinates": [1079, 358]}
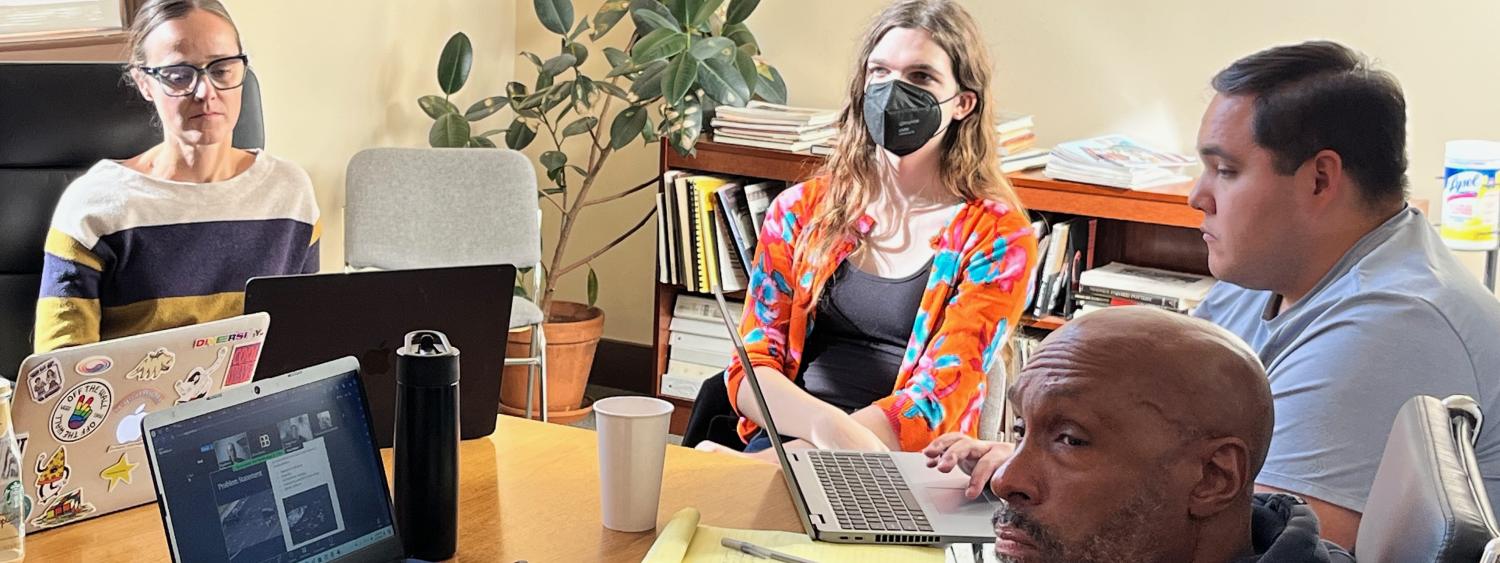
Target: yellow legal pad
{"type": "Point", "coordinates": [685, 540]}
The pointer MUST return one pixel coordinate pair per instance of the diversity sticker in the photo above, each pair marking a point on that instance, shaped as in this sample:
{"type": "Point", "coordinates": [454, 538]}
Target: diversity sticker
{"type": "Point", "coordinates": [81, 410]}
{"type": "Point", "coordinates": [45, 381]}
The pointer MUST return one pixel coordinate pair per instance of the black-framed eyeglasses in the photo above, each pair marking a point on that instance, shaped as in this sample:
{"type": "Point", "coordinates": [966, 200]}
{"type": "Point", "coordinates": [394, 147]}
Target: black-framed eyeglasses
{"type": "Point", "coordinates": [181, 80]}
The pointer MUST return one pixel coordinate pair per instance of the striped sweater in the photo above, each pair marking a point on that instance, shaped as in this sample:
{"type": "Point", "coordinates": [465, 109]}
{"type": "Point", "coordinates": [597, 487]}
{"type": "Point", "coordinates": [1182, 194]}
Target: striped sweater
{"type": "Point", "coordinates": [128, 253]}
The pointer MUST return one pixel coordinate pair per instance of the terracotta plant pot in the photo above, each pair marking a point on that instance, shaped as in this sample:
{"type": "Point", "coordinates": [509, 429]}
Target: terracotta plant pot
{"type": "Point", "coordinates": [571, 342]}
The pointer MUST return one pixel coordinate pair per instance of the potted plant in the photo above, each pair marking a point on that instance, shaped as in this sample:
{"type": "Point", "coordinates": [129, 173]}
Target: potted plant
{"type": "Point", "coordinates": [683, 59]}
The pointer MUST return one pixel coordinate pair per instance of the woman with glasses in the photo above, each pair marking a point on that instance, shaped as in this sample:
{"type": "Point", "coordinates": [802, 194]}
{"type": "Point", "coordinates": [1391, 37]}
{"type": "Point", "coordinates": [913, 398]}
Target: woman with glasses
{"type": "Point", "coordinates": [168, 237]}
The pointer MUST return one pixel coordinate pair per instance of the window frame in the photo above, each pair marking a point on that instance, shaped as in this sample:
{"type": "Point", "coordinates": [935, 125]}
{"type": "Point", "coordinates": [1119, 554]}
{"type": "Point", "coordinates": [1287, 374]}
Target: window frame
{"type": "Point", "coordinates": [74, 39]}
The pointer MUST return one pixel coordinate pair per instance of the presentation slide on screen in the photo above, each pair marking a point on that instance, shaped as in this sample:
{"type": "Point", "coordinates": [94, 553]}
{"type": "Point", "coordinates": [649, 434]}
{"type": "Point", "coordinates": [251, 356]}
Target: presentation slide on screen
{"type": "Point", "coordinates": [306, 497]}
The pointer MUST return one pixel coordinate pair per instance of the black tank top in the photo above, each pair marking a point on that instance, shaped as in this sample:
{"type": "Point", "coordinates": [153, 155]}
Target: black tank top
{"type": "Point", "coordinates": [859, 336]}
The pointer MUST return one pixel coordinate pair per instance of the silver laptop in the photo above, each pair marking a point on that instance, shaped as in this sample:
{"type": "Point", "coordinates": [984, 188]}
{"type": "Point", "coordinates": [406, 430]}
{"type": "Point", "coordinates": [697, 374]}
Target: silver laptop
{"type": "Point", "coordinates": [284, 469]}
{"type": "Point", "coordinates": [872, 497]}
{"type": "Point", "coordinates": [78, 411]}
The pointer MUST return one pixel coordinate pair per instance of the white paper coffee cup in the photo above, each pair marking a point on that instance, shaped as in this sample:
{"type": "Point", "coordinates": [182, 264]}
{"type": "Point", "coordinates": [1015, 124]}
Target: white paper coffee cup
{"type": "Point", "coordinates": [632, 449]}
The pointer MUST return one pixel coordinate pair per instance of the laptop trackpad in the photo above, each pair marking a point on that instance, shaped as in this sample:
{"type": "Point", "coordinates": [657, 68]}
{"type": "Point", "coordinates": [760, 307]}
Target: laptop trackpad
{"type": "Point", "coordinates": [950, 501]}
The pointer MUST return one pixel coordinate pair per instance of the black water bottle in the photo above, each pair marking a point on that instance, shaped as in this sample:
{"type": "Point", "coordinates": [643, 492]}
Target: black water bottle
{"type": "Point", "coordinates": [426, 446]}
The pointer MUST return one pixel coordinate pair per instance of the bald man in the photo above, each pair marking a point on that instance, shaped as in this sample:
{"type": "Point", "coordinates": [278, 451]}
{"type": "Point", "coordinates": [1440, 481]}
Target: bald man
{"type": "Point", "coordinates": [1141, 435]}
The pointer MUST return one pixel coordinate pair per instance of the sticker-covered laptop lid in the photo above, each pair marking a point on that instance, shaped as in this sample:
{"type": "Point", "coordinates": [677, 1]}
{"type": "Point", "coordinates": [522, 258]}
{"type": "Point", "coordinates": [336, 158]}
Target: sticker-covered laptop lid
{"type": "Point", "coordinates": [77, 411]}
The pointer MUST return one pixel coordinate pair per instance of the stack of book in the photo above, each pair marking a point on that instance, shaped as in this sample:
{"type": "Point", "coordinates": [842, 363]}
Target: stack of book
{"type": "Point", "coordinates": [1119, 284]}
{"type": "Point", "coordinates": [707, 227]}
{"type": "Point", "coordinates": [700, 345]}
{"type": "Point", "coordinates": [1017, 137]}
{"type": "Point", "coordinates": [773, 126]}
{"type": "Point", "coordinates": [1117, 161]}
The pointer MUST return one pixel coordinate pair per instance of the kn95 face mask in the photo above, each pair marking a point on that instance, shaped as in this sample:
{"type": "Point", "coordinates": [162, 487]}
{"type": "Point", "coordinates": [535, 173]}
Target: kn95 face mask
{"type": "Point", "coordinates": [902, 117]}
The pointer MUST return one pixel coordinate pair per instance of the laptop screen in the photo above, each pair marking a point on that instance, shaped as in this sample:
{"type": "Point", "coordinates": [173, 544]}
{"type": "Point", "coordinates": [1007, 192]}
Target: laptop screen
{"type": "Point", "coordinates": [290, 476]}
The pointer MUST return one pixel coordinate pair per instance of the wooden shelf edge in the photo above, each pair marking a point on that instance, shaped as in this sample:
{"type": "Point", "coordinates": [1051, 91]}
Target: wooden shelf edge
{"type": "Point", "coordinates": [1165, 205]}
{"type": "Point", "coordinates": [720, 158]}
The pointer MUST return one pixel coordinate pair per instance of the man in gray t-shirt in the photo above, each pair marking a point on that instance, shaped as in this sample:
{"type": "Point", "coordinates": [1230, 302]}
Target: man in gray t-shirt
{"type": "Point", "coordinates": [1347, 295]}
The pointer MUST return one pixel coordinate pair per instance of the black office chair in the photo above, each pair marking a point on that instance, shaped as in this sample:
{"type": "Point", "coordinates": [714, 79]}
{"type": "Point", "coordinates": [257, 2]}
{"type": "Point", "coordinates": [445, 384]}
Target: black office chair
{"type": "Point", "coordinates": [712, 417]}
{"type": "Point", "coordinates": [58, 120]}
{"type": "Point", "coordinates": [1428, 502]}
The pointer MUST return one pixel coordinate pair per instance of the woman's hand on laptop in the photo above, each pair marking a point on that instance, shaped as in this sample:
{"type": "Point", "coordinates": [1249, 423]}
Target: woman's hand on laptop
{"type": "Point", "coordinates": [978, 458]}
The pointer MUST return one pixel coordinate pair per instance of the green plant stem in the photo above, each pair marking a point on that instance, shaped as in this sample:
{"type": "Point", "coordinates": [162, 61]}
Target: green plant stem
{"type": "Point", "coordinates": [597, 156]}
{"type": "Point", "coordinates": [567, 229]}
{"type": "Point", "coordinates": [607, 199]}
{"type": "Point", "coordinates": [590, 258]}
{"type": "Point", "coordinates": [551, 200]}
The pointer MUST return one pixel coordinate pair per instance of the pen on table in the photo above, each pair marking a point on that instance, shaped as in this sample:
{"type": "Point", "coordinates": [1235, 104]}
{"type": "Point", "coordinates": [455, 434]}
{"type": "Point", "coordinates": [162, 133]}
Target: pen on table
{"type": "Point", "coordinates": [762, 552]}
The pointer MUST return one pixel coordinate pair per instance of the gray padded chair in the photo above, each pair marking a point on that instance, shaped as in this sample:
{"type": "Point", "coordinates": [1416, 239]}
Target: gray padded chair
{"type": "Point", "coordinates": [428, 208]}
{"type": "Point", "coordinates": [1428, 502]}
{"type": "Point", "coordinates": [56, 121]}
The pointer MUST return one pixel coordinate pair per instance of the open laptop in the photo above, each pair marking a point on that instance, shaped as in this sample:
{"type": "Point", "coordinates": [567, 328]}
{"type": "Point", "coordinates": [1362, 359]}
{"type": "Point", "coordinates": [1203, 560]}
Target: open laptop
{"type": "Point", "coordinates": [871, 497]}
{"type": "Point", "coordinates": [367, 314]}
{"type": "Point", "coordinates": [282, 470]}
{"type": "Point", "coordinates": [77, 411]}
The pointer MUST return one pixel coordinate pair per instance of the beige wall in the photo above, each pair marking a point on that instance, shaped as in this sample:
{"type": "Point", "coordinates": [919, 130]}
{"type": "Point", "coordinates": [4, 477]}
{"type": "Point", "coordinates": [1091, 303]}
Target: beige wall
{"type": "Point", "coordinates": [1089, 67]}
{"type": "Point", "coordinates": [343, 75]}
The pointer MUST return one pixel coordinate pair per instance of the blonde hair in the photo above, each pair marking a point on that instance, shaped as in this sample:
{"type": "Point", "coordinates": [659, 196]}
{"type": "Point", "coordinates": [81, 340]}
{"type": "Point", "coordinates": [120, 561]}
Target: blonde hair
{"type": "Point", "coordinates": [153, 13]}
{"type": "Point", "coordinates": [969, 166]}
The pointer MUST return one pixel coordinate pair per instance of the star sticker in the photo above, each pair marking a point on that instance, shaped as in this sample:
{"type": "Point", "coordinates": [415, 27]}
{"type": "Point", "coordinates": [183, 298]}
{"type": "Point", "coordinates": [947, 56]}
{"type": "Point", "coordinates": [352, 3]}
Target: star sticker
{"type": "Point", "coordinates": [120, 471]}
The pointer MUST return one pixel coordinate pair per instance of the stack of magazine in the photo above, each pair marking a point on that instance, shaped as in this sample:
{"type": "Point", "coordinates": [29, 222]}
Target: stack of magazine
{"type": "Point", "coordinates": [1117, 161]}
{"type": "Point", "coordinates": [773, 126]}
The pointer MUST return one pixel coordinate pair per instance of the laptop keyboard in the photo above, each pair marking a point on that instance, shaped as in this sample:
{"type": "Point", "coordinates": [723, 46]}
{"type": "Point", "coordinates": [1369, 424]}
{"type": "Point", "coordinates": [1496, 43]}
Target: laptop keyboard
{"type": "Point", "coordinates": [867, 492]}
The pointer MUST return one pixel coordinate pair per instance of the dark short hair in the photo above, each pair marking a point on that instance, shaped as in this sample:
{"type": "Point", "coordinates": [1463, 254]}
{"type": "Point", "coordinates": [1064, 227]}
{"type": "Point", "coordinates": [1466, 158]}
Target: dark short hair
{"type": "Point", "coordinates": [1322, 95]}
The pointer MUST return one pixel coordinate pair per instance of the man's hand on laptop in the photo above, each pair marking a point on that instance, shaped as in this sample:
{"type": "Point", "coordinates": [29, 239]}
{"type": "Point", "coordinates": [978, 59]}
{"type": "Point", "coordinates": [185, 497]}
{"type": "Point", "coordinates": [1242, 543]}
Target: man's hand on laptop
{"type": "Point", "coordinates": [978, 458]}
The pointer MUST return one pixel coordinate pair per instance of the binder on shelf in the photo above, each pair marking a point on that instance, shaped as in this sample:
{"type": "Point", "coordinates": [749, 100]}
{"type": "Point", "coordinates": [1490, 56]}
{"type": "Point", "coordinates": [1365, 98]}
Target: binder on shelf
{"type": "Point", "coordinates": [700, 343]}
{"type": "Point", "coordinates": [686, 257]}
{"type": "Point", "coordinates": [713, 329]}
{"type": "Point", "coordinates": [700, 357]}
{"type": "Point", "coordinates": [694, 371]}
{"type": "Point", "coordinates": [703, 308]}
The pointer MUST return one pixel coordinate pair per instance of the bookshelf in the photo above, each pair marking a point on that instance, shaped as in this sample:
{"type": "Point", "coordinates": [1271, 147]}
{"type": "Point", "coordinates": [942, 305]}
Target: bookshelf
{"type": "Point", "coordinates": [1154, 228]}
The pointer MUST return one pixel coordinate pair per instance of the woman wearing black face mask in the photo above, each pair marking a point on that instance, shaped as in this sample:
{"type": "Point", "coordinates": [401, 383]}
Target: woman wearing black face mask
{"type": "Point", "coordinates": [911, 251]}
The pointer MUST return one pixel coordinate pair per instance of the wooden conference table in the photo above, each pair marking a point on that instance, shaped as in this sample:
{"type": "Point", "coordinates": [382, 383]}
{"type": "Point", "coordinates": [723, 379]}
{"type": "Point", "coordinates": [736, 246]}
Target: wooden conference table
{"type": "Point", "coordinates": [529, 491]}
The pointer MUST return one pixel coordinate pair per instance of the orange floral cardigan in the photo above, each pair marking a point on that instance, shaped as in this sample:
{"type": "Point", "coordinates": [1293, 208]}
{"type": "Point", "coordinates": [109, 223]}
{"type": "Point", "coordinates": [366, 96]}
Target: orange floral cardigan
{"type": "Point", "coordinates": [977, 288]}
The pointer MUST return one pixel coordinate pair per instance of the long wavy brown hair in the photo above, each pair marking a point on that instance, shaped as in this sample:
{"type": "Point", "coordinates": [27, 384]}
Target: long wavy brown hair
{"type": "Point", "coordinates": [970, 165]}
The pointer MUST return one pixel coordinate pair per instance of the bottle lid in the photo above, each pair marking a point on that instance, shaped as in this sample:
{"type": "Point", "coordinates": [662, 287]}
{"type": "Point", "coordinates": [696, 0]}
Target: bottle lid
{"type": "Point", "coordinates": [1473, 150]}
{"type": "Point", "coordinates": [427, 360]}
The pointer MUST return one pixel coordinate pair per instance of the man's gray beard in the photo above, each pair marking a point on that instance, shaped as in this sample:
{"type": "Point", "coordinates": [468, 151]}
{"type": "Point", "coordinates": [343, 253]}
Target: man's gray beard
{"type": "Point", "coordinates": [1127, 535]}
